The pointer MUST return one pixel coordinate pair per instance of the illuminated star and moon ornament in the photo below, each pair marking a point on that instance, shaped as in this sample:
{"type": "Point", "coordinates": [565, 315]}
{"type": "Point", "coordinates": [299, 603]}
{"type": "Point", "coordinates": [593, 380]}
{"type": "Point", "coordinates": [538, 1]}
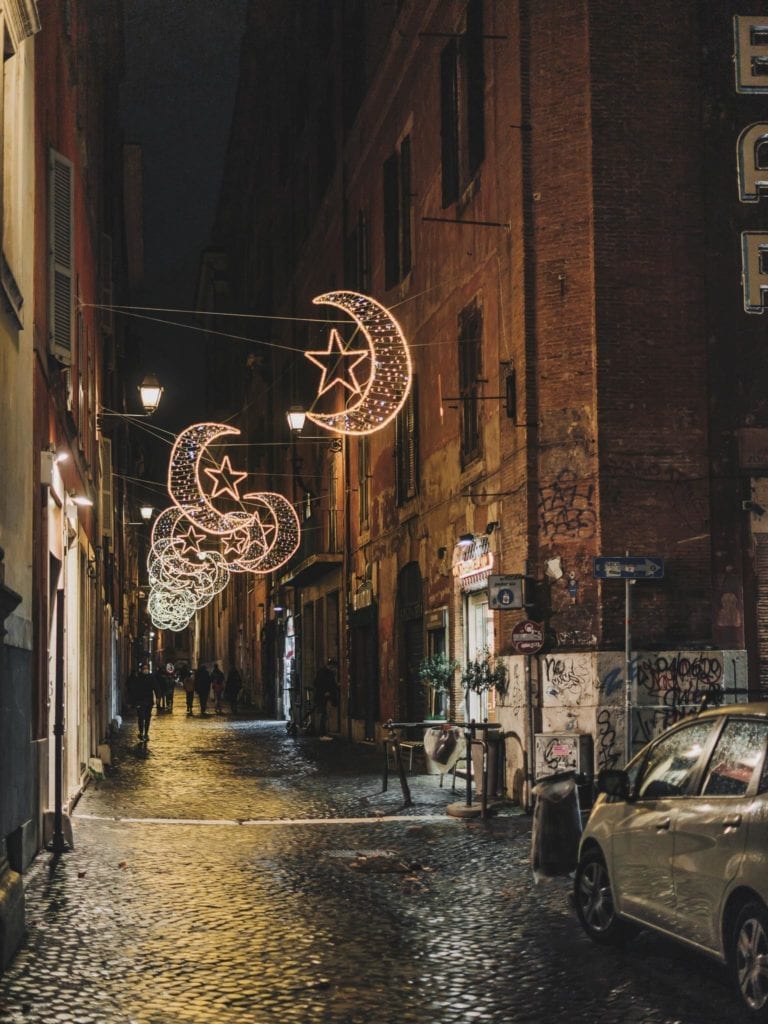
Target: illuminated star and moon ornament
{"type": "Point", "coordinates": [212, 530]}
{"type": "Point", "coordinates": [374, 377]}
{"type": "Point", "coordinates": [198, 542]}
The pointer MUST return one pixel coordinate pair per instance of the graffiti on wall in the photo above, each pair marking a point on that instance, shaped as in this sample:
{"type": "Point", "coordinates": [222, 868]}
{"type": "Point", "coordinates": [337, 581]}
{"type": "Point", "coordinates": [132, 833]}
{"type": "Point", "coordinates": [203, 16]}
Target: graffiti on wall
{"type": "Point", "coordinates": [566, 507]}
{"type": "Point", "coordinates": [515, 697]}
{"type": "Point", "coordinates": [609, 747]}
{"type": "Point", "coordinates": [567, 680]}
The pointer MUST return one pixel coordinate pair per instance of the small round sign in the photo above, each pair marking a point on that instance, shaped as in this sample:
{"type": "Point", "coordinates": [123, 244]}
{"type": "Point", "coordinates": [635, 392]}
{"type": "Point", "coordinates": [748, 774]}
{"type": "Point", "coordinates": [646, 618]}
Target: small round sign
{"type": "Point", "coordinates": [527, 637]}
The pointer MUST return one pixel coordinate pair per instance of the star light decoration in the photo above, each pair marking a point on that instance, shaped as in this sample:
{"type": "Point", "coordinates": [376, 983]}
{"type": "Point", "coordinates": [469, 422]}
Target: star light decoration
{"type": "Point", "coordinates": [387, 381]}
{"type": "Point", "coordinates": [197, 545]}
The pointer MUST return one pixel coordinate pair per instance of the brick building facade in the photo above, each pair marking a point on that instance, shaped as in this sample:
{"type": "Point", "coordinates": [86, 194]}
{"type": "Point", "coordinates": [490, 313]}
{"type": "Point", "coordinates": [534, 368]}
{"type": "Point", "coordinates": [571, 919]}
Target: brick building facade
{"type": "Point", "coordinates": [544, 195]}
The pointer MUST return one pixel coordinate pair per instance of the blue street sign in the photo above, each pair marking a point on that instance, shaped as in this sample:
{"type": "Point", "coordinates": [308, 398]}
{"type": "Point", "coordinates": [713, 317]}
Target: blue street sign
{"type": "Point", "coordinates": [628, 567]}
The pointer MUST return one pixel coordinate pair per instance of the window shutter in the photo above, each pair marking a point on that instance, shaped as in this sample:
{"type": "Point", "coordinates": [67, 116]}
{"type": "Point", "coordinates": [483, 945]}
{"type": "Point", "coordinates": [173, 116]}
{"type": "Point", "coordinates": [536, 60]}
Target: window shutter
{"type": "Point", "coordinates": [405, 206]}
{"type": "Point", "coordinates": [22, 18]}
{"type": "Point", "coordinates": [449, 124]}
{"type": "Point", "coordinates": [473, 42]}
{"type": "Point", "coordinates": [391, 222]}
{"type": "Point", "coordinates": [61, 268]}
{"type": "Point", "coordinates": [107, 314]}
{"type": "Point", "coordinates": [412, 441]}
{"type": "Point", "coordinates": [107, 507]}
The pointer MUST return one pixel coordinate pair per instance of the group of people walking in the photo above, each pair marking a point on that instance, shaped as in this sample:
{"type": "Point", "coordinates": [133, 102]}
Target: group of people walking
{"type": "Point", "coordinates": [147, 689]}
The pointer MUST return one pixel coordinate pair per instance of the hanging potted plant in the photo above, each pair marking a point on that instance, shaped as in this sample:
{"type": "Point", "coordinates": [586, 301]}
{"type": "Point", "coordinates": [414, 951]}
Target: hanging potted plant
{"type": "Point", "coordinates": [436, 675]}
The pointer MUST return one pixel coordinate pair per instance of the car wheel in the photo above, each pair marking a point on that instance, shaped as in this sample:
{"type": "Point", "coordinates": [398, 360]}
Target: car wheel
{"type": "Point", "coordinates": [749, 959]}
{"type": "Point", "coordinates": [594, 900]}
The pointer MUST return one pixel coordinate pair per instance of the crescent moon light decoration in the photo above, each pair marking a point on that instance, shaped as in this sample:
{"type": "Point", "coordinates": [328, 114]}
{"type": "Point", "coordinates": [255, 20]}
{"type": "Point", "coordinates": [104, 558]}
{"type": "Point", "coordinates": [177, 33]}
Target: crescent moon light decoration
{"type": "Point", "coordinates": [380, 399]}
{"type": "Point", "coordinates": [259, 537]}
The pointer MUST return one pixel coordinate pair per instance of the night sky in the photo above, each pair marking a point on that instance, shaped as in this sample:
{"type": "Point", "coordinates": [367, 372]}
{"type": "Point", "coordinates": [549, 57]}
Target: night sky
{"type": "Point", "coordinates": [182, 59]}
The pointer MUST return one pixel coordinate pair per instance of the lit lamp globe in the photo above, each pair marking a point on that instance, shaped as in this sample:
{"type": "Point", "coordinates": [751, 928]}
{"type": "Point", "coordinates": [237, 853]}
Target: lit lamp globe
{"type": "Point", "coordinates": [296, 417]}
{"type": "Point", "coordinates": [151, 392]}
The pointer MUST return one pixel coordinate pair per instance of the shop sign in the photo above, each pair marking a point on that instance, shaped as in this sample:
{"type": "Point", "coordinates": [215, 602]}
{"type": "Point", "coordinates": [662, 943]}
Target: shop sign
{"type": "Point", "coordinates": [505, 593]}
{"type": "Point", "coordinates": [471, 560]}
{"type": "Point", "coordinates": [528, 637]}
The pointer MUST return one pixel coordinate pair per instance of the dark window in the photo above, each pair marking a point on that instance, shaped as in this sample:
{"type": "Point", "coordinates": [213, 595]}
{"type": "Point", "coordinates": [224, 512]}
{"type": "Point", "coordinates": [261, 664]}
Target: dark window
{"type": "Point", "coordinates": [364, 478]}
{"type": "Point", "coordinates": [353, 61]}
{"type": "Point", "coordinates": [326, 141]}
{"type": "Point", "coordinates": [462, 98]}
{"type": "Point", "coordinates": [356, 272]}
{"type": "Point", "coordinates": [470, 367]}
{"type": "Point", "coordinates": [407, 448]}
{"type": "Point", "coordinates": [738, 754]}
{"type": "Point", "coordinates": [449, 122]}
{"type": "Point", "coordinates": [397, 215]}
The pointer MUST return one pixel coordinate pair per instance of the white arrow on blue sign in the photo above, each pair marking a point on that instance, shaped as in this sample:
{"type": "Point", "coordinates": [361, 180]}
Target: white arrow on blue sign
{"type": "Point", "coordinates": [628, 567]}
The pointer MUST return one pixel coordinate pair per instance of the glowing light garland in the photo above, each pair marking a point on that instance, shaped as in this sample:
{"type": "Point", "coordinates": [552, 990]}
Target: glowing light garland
{"type": "Point", "coordinates": [389, 379]}
{"type": "Point", "coordinates": [195, 546]}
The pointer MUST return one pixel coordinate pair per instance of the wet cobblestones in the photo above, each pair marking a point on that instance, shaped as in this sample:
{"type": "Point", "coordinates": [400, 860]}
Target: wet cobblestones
{"type": "Point", "coordinates": [232, 874]}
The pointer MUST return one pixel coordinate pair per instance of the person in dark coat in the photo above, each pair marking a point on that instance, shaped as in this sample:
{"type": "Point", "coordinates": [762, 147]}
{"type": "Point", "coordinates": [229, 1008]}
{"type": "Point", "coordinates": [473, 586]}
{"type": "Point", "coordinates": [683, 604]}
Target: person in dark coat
{"type": "Point", "coordinates": [141, 695]}
{"type": "Point", "coordinates": [232, 688]}
{"type": "Point", "coordinates": [217, 682]}
{"type": "Point", "coordinates": [158, 683]}
{"type": "Point", "coordinates": [202, 687]}
{"type": "Point", "coordinates": [325, 694]}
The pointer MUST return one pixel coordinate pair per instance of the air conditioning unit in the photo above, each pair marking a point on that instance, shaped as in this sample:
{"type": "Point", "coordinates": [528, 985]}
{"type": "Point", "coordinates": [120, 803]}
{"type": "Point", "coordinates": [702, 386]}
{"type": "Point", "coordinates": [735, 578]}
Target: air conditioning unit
{"type": "Point", "coordinates": [563, 752]}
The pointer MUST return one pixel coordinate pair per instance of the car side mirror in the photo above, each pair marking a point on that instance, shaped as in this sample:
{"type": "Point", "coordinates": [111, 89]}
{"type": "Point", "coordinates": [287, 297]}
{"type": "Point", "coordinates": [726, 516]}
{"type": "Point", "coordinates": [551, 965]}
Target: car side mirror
{"type": "Point", "coordinates": [613, 782]}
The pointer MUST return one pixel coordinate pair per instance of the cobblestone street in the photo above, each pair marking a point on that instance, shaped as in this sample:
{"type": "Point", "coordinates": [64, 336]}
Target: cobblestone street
{"type": "Point", "coordinates": [229, 873]}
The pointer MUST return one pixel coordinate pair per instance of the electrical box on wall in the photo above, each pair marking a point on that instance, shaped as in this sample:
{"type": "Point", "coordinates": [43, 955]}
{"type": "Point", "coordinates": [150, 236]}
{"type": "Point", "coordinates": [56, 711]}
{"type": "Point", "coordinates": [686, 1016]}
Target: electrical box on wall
{"type": "Point", "coordinates": [563, 752]}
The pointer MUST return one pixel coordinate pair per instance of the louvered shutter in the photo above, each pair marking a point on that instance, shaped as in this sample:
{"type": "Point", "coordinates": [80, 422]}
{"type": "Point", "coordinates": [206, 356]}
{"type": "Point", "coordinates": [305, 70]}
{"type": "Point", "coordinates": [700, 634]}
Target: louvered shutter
{"type": "Point", "coordinates": [61, 273]}
{"type": "Point", "coordinates": [107, 507]}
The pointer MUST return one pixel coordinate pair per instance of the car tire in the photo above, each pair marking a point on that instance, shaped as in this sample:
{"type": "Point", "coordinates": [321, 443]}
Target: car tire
{"type": "Point", "coordinates": [593, 897]}
{"type": "Point", "coordinates": [748, 959]}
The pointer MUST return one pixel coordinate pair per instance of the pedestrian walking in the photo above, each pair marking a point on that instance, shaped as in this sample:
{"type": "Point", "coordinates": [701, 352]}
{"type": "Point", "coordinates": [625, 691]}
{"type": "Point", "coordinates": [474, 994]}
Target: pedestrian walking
{"type": "Point", "coordinates": [158, 684]}
{"type": "Point", "coordinates": [326, 693]}
{"type": "Point", "coordinates": [232, 688]}
{"type": "Point", "coordinates": [202, 687]}
{"type": "Point", "coordinates": [217, 685]}
{"type": "Point", "coordinates": [141, 694]}
{"type": "Point", "coordinates": [170, 685]}
{"type": "Point", "coordinates": [188, 682]}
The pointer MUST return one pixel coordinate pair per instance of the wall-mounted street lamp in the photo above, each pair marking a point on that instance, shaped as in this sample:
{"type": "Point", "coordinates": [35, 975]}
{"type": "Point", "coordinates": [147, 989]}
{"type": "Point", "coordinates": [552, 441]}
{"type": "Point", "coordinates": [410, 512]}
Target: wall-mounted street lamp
{"type": "Point", "coordinates": [150, 393]}
{"type": "Point", "coordinates": [145, 511]}
{"type": "Point", "coordinates": [297, 417]}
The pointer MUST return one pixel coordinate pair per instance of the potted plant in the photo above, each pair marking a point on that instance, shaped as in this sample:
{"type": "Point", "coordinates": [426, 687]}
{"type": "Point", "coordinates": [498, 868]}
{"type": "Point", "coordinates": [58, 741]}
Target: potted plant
{"type": "Point", "coordinates": [485, 673]}
{"type": "Point", "coordinates": [480, 675]}
{"type": "Point", "coordinates": [436, 675]}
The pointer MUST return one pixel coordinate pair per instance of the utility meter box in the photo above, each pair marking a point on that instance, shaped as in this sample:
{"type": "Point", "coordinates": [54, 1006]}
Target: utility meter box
{"type": "Point", "coordinates": [563, 752]}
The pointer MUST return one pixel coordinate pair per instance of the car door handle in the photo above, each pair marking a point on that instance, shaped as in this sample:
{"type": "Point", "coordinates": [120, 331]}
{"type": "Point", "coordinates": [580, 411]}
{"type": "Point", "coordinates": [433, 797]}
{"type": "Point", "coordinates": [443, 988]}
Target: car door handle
{"type": "Point", "coordinates": [663, 825]}
{"type": "Point", "coordinates": [732, 821]}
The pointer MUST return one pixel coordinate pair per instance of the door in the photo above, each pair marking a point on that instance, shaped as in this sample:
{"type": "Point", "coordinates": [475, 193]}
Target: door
{"type": "Point", "coordinates": [479, 640]}
{"type": "Point", "coordinates": [643, 839]}
{"type": "Point", "coordinates": [711, 829]}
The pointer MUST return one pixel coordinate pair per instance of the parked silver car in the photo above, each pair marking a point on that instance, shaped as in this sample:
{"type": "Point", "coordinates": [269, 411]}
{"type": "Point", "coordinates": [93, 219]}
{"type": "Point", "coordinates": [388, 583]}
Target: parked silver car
{"type": "Point", "coordinates": [678, 842]}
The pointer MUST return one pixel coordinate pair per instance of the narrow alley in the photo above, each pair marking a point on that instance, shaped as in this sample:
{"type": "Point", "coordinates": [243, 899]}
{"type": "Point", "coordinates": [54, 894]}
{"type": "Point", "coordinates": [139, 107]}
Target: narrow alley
{"type": "Point", "coordinates": [227, 872]}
